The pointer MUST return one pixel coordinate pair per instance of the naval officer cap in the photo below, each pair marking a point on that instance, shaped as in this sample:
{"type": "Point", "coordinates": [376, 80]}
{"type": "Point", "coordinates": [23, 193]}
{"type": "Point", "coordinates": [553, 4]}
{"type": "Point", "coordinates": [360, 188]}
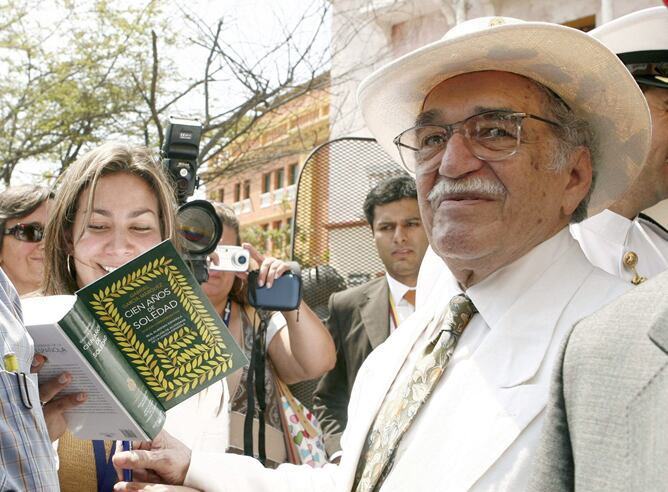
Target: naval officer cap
{"type": "Point", "coordinates": [640, 39]}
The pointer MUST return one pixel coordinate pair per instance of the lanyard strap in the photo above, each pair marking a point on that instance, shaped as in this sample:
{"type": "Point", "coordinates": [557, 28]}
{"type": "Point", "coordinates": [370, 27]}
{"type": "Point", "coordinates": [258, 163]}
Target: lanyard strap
{"type": "Point", "coordinates": [255, 387]}
{"type": "Point", "coordinates": [227, 313]}
{"type": "Point", "coordinates": [394, 316]}
{"type": "Point", "coordinates": [104, 469]}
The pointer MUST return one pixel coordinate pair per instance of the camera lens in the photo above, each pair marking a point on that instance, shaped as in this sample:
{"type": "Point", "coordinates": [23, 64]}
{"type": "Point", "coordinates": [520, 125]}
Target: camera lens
{"type": "Point", "coordinates": [242, 260]}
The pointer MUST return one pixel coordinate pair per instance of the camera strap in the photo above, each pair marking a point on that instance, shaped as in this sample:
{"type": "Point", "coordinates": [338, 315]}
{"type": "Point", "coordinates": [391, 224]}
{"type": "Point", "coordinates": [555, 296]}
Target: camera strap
{"type": "Point", "coordinates": [255, 388]}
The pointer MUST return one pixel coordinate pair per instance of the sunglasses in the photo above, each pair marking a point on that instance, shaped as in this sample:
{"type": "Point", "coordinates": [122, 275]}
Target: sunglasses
{"type": "Point", "coordinates": [31, 233]}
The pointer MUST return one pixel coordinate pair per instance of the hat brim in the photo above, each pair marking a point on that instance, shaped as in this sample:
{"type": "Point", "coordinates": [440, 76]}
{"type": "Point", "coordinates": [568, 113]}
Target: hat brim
{"type": "Point", "coordinates": [585, 74]}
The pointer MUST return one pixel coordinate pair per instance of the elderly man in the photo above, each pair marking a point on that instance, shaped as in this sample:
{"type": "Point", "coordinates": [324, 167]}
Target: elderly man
{"type": "Point", "coordinates": [497, 121]}
{"type": "Point", "coordinates": [621, 239]}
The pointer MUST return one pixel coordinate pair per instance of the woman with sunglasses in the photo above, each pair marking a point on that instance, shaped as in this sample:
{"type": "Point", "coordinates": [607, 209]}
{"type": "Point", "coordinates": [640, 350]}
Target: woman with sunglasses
{"type": "Point", "coordinates": [22, 217]}
{"type": "Point", "coordinates": [112, 204]}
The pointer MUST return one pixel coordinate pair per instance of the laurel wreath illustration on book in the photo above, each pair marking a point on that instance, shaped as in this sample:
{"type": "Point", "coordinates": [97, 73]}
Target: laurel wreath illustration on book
{"type": "Point", "coordinates": [176, 365]}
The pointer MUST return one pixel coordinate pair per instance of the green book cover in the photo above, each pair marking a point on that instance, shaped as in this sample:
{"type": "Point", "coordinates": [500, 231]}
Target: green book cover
{"type": "Point", "coordinates": [138, 341]}
{"type": "Point", "coordinates": [155, 312]}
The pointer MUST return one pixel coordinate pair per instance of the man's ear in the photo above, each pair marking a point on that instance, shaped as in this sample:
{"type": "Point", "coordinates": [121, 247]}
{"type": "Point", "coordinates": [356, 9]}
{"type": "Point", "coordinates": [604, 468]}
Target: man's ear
{"type": "Point", "coordinates": [580, 176]}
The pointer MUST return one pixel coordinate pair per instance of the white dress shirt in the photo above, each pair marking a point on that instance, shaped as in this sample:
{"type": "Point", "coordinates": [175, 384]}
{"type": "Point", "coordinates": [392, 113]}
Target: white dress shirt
{"type": "Point", "coordinates": [432, 276]}
{"type": "Point", "coordinates": [403, 307]}
{"type": "Point", "coordinates": [480, 426]}
{"type": "Point", "coordinates": [606, 237]}
{"type": "Point", "coordinates": [493, 298]}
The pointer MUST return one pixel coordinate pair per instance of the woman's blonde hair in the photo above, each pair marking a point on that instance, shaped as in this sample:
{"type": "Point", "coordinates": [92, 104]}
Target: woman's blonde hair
{"type": "Point", "coordinates": [109, 158]}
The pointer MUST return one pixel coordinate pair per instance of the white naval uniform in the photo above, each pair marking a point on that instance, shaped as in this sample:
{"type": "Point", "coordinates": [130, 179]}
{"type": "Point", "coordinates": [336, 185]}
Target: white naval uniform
{"type": "Point", "coordinates": [606, 237]}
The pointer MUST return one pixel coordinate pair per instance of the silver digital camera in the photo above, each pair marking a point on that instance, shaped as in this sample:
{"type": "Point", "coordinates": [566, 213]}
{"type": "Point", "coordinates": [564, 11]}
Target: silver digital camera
{"type": "Point", "coordinates": [231, 259]}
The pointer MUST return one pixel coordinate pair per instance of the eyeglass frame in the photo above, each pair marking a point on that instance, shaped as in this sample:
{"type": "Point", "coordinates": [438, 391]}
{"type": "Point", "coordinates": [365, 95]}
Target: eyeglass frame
{"type": "Point", "coordinates": [455, 127]}
{"type": "Point", "coordinates": [16, 229]}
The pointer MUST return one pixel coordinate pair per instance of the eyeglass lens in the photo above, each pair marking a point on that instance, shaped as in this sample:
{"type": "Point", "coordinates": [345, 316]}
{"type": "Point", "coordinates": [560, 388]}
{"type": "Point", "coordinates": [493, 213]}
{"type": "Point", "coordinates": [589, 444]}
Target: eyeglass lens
{"type": "Point", "coordinates": [490, 136]}
{"type": "Point", "coordinates": [31, 233]}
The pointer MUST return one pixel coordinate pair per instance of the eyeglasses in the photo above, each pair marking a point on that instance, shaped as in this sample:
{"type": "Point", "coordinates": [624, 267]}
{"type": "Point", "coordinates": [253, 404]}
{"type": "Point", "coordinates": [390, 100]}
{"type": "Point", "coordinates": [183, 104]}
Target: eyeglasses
{"type": "Point", "coordinates": [490, 136]}
{"type": "Point", "coordinates": [31, 233]}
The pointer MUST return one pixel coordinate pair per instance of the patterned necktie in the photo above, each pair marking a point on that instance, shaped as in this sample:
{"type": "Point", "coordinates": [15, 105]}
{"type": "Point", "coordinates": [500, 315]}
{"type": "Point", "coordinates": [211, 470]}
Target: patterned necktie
{"type": "Point", "coordinates": [402, 405]}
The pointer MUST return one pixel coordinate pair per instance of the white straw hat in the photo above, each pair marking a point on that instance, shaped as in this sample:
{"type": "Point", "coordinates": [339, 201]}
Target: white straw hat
{"type": "Point", "coordinates": [584, 73]}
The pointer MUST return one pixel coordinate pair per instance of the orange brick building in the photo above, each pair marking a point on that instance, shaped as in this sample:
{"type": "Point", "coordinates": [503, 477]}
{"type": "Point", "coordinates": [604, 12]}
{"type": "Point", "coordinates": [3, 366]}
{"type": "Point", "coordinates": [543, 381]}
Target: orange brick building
{"type": "Point", "coordinates": [259, 179]}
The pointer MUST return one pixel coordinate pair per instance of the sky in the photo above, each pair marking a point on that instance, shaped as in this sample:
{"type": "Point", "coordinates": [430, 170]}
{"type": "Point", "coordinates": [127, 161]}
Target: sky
{"type": "Point", "coordinates": [250, 27]}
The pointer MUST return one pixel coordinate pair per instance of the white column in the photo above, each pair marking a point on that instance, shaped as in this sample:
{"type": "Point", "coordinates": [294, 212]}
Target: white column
{"type": "Point", "coordinates": [606, 12]}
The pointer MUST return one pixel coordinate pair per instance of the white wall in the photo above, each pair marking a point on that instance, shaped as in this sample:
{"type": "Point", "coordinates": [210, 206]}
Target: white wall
{"type": "Point", "coordinates": [366, 34]}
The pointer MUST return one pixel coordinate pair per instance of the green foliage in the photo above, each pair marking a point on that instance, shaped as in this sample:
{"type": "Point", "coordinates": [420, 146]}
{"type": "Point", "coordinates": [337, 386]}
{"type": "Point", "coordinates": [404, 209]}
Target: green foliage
{"type": "Point", "coordinates": [270, 242]}
{"type": "Point", "coordinates": [70, 82]}
{"type": "Point", "coordinates": [74, 73]}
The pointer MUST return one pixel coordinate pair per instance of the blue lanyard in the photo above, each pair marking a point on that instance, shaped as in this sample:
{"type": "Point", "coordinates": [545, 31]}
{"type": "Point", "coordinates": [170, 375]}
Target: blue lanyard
{"type": "Point", "coordinates": [227, 313]}
{"type": "Point", "coordinates": [104, 469]}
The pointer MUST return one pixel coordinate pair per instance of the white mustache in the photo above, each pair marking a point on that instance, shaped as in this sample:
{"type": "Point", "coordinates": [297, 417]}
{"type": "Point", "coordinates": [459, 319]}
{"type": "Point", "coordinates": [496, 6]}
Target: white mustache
{"type": "Point", "coordinates": [446, 186]}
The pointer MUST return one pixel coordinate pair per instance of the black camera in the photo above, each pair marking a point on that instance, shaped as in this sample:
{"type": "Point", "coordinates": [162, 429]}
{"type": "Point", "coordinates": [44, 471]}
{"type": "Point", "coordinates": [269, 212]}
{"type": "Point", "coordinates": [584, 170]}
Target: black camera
{"type": "Point", "coordinates": [284, 295]}
{"type": "Point", "coordinates": [179, 154]}
{"type": "Point", "coordinates": [198, 224]}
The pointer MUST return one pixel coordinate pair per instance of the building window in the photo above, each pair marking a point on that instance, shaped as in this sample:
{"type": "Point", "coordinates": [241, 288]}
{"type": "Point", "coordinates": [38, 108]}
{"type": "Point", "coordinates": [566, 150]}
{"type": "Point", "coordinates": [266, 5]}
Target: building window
{"type": "Point", "coordinates": [585, 24]}
{"type": "Point", "coordinates": [221, 195]}
{"type": "Point", "coordinates": [237, 192]}
{"type": "Point", "coordinates": [276, 225]}
{"type": "Point", "coordinates": [293, 173]}
{"type": "Point", "coordinates": [279, 178]}
{"type": "Point", "coordinates": [247, 189]}
{"type": "Point", "coordinates": [266, 183]}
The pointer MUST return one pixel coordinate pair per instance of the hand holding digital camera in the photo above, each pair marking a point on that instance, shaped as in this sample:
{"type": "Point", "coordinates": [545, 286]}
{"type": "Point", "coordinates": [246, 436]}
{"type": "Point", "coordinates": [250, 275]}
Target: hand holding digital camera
{"type": "Point", "coordinates": [285, 294]}
{"type": "Point", "coordinates": [276, 286]}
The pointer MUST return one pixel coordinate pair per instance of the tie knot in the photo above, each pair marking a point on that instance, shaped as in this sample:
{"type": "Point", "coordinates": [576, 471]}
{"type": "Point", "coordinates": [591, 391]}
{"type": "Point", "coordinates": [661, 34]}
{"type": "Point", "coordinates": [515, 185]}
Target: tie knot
{"type": "Point", "coordinates": [462, 310]}
{"type": "Point", "coordinates": [410, 296]}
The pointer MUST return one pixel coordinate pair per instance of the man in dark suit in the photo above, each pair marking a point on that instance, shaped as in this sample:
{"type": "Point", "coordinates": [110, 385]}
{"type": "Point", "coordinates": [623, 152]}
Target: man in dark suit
{"type": "Point", "coordinates": [361, 318]}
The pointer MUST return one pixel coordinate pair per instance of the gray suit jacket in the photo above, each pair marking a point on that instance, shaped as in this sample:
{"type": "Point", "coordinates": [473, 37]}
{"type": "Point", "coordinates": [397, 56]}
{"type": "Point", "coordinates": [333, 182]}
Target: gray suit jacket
{"type": "Point", "coordinates": [358, 321]}
{"type": "Point", "coordinates": [607, 420]}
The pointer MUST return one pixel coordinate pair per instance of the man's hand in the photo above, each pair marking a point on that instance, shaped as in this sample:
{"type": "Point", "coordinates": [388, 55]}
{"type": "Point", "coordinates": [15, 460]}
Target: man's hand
{"type": "Point", "coordinates": [54, 408]}
{"type": "Point", "coordinates": [163, 460]}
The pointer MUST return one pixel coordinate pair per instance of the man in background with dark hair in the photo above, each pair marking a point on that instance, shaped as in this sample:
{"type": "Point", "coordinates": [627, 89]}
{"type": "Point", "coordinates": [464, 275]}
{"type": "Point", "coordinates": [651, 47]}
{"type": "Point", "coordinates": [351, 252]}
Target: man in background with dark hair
{"type": "Point", "coordinates": [361, 318]}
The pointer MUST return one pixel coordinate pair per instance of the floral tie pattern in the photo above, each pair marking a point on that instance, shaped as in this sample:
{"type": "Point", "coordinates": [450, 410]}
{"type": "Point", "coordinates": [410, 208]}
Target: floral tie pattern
{"type": "Point", "coordinates": [402, 405]}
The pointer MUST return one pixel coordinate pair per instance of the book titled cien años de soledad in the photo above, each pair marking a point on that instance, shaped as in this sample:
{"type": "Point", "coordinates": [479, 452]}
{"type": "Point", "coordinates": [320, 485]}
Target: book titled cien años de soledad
{"type": "Point", "coordinates": [140, 340]}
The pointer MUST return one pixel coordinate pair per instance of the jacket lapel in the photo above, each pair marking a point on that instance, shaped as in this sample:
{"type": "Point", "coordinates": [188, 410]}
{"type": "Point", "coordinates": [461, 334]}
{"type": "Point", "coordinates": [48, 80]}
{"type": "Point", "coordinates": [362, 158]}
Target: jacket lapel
{"type": "Point", "coordinates": [659, 335]}
{"type": "Point", "coordinates": [644, 416]}
{"type": "Point", "coordinates": [514, 363]}
{"type": "Point", "coordinates": [371, 386]}
{"type": "Point", "coordinates": [374, 311]}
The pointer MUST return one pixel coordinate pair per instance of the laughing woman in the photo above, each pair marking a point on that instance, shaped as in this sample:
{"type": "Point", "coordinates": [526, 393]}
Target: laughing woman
{"type": "Point", "coordinates": [113, 204]}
